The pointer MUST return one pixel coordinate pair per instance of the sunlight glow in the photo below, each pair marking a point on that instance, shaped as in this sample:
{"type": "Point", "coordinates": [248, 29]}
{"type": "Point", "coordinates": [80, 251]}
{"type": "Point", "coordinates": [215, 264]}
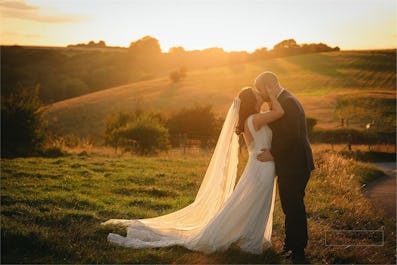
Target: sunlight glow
{"type": "Point", "coordinates": [194, 24]}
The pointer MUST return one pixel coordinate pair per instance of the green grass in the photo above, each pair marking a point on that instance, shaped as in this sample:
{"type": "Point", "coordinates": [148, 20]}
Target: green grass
{"type": "Point", "coordinates": [372, 107]}
{"type": "Point", "coordinates": [318, 80]}
{"type": "Point", "coordinates": [51, 209]}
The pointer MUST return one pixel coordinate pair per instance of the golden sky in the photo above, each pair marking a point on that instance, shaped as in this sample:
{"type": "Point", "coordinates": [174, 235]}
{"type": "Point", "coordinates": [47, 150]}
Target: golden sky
{"type": "Point", "coordinates": [198, 24]}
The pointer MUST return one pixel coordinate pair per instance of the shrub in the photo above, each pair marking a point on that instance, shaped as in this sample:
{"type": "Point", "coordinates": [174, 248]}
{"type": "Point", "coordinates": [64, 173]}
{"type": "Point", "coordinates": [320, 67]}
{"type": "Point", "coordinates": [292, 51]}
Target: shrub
{"type": "Point", "coordinates": [369, 156]}
{"type": "Point", "coordinates": [145, 135]}
{"type": "Point", "coordinates": [176, 76]}
{"type": "Point", "coordinates": [83, 153]}
{"type": "Point", "coordinates": [113, 124]}
{"type": "Point", "coordinates": [352, 136]}
{"type": "Point", "coordinates": [22, 124]}
{"type": "Point", "coordinates": [53, 151]}
{"type": "Point", "coordinates": [197, 122]}
{"type": "Point", "coordinates": [310, 122]}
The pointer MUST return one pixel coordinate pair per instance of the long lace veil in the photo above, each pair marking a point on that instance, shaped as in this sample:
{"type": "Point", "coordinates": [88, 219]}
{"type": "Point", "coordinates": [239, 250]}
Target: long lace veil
{"type": "Point", "coordinates": [215, 189]}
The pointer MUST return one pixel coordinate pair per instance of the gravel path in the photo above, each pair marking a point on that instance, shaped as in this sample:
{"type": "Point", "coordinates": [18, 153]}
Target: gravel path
{"type": "Point", "coordinates": [382, 192]}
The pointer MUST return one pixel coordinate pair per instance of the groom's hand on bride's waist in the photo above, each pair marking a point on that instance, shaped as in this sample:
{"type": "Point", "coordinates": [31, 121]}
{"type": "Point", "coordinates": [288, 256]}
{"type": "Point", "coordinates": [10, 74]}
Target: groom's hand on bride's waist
{"type": "Point", "coordinates": [265, 156]}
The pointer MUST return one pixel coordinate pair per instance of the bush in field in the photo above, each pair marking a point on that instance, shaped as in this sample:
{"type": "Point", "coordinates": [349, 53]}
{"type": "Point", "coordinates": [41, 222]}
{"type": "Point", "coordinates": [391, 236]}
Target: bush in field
{"type": "Point", "coordinates": [22, 125]}
{"type": "Point", "coordinates": [113, 124]}
{"type": "Point", "coordinates": [53, 151]}
{"type": "Point", "coordinates": [338, 136]}
{"type": "Point", "coordinates": [310, 123]}
{"type": "Point", "coordinates": [197, 122]}
{"type": "Point", "coordinates": [179, 75]}
{"type": "Point", "coordinates": [145, 135]}
{"type": "Point", "coordinates": [351, 136]}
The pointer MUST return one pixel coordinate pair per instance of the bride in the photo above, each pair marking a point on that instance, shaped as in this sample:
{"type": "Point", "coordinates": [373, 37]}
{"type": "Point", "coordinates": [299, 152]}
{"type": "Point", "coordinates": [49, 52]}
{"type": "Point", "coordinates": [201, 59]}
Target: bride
{"type": "Point", "coordinates": [222, 212]}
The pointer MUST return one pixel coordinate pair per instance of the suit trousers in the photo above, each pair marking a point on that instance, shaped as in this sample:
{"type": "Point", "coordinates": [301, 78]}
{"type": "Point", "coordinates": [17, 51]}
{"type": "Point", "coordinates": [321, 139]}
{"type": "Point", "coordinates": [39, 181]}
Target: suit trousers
{"type": "Point", "coordinates": [292, 192]}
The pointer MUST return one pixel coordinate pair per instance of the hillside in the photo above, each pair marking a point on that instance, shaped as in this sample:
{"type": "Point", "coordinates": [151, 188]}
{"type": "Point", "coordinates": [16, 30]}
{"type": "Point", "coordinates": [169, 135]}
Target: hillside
{"type": "Point", "coordinates": [318, 80]}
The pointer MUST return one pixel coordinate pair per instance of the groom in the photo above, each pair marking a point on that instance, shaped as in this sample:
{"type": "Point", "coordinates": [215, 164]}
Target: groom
{"type": "Point", "coordinates": [292, 154]}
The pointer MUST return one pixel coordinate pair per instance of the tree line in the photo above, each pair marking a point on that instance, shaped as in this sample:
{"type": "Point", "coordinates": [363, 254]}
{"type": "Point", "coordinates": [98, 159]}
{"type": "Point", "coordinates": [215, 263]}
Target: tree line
{"type": "Point", "coordinates": [62, 73]}
{"type": "Point", "coordinates": [23, 129]}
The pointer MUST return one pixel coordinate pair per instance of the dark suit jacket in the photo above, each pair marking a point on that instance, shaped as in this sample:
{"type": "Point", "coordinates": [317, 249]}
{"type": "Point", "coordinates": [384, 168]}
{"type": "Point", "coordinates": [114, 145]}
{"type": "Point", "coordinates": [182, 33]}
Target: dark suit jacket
{"type": "Point", "coordinates": [290, 143]}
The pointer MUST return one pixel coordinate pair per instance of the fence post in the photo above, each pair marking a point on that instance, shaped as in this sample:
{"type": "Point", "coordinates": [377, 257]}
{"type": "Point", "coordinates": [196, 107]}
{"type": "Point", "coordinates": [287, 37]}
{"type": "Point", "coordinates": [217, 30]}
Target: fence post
{"type": "Point", "coordinates": [184, 143]}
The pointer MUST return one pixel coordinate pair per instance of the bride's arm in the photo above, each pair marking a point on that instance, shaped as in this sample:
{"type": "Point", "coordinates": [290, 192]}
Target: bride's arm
{"type": "Point", "coordinates": [275, 113]}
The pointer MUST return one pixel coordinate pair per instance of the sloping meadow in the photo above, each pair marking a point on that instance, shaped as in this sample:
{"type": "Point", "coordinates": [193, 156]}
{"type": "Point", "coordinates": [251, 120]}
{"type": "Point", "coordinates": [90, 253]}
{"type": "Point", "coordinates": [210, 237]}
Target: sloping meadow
{"type": "Point", "coordinates": [51, 209]}
{"type": "Point", "coordinates": [327, 84]}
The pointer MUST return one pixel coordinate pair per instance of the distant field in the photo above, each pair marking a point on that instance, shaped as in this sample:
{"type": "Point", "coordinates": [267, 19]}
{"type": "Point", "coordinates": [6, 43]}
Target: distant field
{"type": "Point", "coordinates": [318, 80]}
{"type": "Point", "coordinates": [51, 209]}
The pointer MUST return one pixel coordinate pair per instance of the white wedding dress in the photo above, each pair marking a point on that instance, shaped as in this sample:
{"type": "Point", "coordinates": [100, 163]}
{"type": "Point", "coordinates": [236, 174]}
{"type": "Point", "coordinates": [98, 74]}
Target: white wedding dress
{"type": "Point", "coordinates": [222, 213]}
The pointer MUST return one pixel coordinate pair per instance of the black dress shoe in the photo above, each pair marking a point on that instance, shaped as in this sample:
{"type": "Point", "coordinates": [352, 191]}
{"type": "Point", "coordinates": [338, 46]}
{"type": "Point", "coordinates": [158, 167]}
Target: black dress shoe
{"type": "Point", "coordinates": [298, 256]}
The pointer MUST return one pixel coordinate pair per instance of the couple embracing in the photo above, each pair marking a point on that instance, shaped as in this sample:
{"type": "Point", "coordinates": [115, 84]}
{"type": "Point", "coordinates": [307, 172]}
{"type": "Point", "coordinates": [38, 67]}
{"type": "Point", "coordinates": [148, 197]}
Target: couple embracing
{"type": "Point", "coordinates": [225, 213]}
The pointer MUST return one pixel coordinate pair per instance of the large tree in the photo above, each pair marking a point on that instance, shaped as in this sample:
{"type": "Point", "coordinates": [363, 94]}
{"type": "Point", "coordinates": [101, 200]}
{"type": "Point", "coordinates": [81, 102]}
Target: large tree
{"type": "Point", "coordinates": [147, 46]}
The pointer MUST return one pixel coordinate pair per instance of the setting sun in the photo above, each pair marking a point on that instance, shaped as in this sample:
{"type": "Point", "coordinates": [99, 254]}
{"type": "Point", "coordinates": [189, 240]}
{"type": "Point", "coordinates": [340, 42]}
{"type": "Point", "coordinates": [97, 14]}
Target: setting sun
{"type": "Point", "coordinates": [232, 25]}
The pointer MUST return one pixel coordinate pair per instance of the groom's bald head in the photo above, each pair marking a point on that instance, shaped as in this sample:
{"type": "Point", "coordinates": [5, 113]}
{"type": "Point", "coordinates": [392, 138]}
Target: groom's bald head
{"type": "Point", "coordinates": [266, 80]}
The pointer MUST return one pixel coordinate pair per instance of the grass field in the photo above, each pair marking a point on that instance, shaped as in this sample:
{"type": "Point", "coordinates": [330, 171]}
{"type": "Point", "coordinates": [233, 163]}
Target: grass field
{"type": "Point", "coordinates": [320, 81]}
{"type": "Point", "coordinates": [51, 209]}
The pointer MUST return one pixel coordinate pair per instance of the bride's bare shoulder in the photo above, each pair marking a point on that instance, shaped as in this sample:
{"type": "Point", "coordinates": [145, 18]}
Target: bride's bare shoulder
{"type": "Point", "coordinates": [253, 123]}
{"type": "Point", "coordinates": [256, 121]}
{"type": "Point", "coordinates": [247, 134]}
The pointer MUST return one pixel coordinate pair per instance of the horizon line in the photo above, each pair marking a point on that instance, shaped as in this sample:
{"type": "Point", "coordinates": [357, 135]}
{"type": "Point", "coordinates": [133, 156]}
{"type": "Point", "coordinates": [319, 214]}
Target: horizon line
{"type": "Point", "coordinates": [124, 47]}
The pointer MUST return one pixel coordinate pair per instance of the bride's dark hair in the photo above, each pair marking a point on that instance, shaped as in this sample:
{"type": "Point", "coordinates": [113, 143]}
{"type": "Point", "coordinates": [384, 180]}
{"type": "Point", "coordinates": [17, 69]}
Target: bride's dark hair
{"type": "Point", "coordinates": [247, 107]}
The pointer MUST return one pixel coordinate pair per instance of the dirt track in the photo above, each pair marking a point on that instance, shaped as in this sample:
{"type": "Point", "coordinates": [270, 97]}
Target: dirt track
{"type": "Point", "coordinates": [382, 192]}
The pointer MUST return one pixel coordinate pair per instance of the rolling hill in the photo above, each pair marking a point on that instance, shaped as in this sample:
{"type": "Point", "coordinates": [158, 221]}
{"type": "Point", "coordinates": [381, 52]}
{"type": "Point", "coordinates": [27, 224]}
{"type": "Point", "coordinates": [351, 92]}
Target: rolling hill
{"type": "Point", "coordinates": [318, 80]}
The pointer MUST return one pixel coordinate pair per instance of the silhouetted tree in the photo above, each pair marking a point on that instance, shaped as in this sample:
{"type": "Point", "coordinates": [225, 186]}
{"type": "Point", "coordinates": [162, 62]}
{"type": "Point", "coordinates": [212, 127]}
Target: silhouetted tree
{"type": "Point", "coordinates": [101, 44]}
{"type": "Point", "coordinates": [90, 44]}
{"type": "Point", "coordinates": [260, 54]}
{"type": "Point", "coordinates": [286, 47]}
{"type": "Point", "coordinates": [147, 46]}
{"type": "Point", "coordinates": [22, 124]}
{"type": "Point", "coordinates": [286, 44]}
{"type": "Point", "coordinates": [176, 50]}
